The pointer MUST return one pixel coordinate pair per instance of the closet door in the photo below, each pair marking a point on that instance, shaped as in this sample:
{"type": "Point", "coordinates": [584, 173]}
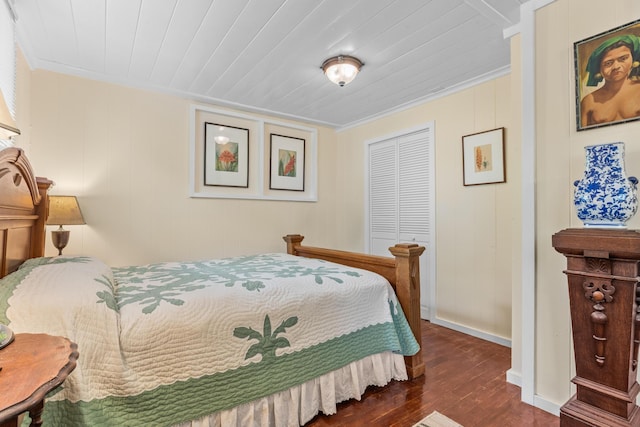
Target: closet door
{"type": "Point", "coordinates": [400, 201]}
{"type": "Point", "coordinates": [383, 197]}
{"type": "Point", "coordinates": [414, 209]}
{"type": "Point", "coordinates": [413, 189]}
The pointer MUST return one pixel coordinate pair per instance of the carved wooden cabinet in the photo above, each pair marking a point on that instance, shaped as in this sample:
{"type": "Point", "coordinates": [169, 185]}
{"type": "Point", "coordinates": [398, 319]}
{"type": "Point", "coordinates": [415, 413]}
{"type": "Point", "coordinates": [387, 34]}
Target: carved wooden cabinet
{"type": "Point", "coordinates": [602, 272]}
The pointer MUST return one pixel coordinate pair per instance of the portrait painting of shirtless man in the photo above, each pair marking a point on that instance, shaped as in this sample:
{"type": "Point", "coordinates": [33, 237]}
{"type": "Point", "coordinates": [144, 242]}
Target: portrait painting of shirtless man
{"type": "Point", "coordinates": [613, 68]}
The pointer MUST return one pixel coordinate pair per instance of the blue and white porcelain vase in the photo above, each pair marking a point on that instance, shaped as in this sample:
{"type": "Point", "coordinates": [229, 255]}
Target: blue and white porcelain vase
{"type": "Point", "coordinates": [605, 197]}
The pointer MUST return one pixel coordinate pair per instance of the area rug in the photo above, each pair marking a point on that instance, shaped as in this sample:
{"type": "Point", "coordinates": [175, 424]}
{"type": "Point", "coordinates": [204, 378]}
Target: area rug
{"type": "Point", "coordinates": [436, 419]}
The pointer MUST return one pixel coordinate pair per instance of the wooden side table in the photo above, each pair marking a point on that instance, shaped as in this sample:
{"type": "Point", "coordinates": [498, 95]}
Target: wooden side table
{"type": "Point", "coordinates": [32, 366]}
{"type": "Point", "coordinates": [603, 271]}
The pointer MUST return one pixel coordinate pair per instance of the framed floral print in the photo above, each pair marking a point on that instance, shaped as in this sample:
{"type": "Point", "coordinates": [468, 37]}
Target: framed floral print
{"type": "Point", "coordinates": [483, 157]}
{"type": "Point", "coordinates": [226, 155]}
{"type": "Point", "coordinates": [286, 163]}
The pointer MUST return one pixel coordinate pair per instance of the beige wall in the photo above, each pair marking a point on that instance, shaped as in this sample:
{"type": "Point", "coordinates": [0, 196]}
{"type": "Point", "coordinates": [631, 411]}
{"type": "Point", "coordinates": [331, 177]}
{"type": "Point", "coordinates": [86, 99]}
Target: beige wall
{"type": "Point", "coordinates": [560, 161]}
{"type": "Point", "coordinates": [124, 153]}
{"type": "Point", "coordinates": [473, 224]}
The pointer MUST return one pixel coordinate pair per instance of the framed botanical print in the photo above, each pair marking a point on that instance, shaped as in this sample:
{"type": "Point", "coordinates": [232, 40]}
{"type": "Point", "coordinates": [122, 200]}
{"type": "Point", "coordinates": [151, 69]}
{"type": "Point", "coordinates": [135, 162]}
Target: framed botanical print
{"type": "Point", "coordinates": [226, 155]}
{"type": "Point", "coordinates": [483, 157]}
{"type": "Point", "coordinates": [286, 163]}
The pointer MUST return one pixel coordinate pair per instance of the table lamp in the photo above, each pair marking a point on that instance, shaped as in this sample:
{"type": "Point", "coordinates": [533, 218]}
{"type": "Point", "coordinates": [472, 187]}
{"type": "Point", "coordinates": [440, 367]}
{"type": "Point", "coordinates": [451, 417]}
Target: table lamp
{"type": "Point", "coordinates": [63, 210]}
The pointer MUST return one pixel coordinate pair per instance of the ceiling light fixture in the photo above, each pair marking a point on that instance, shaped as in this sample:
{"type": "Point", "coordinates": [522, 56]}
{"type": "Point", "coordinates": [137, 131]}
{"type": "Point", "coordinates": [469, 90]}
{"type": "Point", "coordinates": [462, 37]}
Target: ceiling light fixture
{"type": "Point", "coordinates": [341, 69]}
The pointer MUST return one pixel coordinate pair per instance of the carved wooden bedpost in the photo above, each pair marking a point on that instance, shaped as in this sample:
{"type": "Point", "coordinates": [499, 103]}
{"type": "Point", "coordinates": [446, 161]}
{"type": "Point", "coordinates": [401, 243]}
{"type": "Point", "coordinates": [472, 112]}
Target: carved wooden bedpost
{"type": "Point", "coordinates": [408, 291]}
{"type": "Point", "coordinates": [293, 240]}
{"type": "Point", "coordinates": [42, 210]}
{"type": "Point", "coordinates": [603, 275]}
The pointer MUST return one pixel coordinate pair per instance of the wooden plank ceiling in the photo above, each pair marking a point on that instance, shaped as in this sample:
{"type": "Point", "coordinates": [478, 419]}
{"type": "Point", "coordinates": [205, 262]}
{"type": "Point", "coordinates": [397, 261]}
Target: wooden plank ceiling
{"type": "Point", "coordinates": [265, 55]}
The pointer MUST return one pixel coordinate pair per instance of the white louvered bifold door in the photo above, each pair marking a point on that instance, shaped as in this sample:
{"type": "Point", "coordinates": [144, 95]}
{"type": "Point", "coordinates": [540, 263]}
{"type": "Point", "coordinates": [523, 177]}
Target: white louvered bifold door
{"type": "Point", "coordinates": [383, 199]}
{"type": "Point", "coordinates": [413, 191]}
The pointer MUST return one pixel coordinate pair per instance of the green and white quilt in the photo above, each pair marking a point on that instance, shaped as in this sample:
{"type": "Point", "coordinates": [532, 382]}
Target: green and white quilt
{"type": "Point", "coordinates": [165, 343]}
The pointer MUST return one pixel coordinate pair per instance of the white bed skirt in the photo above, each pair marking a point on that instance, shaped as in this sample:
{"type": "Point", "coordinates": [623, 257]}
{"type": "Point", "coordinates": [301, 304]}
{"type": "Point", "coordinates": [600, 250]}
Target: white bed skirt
{"type": "Point", "coordinates": [298, 405]}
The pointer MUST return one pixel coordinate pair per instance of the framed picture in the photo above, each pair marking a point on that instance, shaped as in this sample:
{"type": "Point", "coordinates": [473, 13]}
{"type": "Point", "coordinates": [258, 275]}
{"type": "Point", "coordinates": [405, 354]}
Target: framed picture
{"type": "Point", "coordinates": [287, 163]}
{"type": "Point", "coordinates": [226, 155]}
{"type": "Point", "coordinates": [483, 157]}
{"type": "Point", "coordinates": [608, 77]}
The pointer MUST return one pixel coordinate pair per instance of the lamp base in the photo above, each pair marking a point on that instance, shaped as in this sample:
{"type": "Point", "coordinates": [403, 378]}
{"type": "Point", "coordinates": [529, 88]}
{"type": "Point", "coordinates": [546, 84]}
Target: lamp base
{"type": "Point", "coordinates": [60, 238]}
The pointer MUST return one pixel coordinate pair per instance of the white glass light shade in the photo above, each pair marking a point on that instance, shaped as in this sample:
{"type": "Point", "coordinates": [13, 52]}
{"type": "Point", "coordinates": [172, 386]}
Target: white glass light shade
{"type": "Point", "coordinates": [341, 70]}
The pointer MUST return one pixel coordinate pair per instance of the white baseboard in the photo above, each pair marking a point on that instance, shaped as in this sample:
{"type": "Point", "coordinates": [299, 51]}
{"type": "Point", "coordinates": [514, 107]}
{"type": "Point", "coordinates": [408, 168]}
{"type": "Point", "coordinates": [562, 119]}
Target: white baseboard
{"type": "Point", "coordinates": [545, 405]}
{"type": "Point", "coordinates": [514, 377]}
{"type": "Point", "coordinates": [473, 332]}
{"type": "Point", "coordinates": [425, 312]}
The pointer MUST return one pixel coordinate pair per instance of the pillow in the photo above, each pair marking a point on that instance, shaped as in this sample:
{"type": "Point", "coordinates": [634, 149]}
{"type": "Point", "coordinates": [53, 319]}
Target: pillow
{"type": "Point", "coordinates": [57, 294]}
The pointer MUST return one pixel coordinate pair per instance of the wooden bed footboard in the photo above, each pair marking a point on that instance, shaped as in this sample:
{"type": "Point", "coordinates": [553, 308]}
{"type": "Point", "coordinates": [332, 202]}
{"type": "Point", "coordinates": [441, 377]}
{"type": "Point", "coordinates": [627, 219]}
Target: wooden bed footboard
{"type": "Point", "coordinates": [402, 271]}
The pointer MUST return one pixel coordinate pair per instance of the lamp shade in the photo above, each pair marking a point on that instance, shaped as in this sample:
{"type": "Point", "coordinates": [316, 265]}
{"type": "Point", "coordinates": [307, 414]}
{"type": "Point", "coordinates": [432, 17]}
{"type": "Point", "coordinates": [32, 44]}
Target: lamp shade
{"type": "Point", "coordinates": [342, 69]}
{"type": "Point", "coordinates": [7, 124]}
{"type": "Point", "coordinates": [64, 210]}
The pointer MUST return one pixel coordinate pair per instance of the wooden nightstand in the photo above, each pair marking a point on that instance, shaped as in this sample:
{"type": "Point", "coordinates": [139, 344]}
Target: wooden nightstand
{"type": "Point", "coordinates": [32, 366]}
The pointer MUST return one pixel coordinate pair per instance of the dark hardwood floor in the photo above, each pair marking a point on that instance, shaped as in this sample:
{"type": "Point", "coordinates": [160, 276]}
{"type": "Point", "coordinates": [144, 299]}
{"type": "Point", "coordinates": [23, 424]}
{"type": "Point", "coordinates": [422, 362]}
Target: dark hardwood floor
{"type": "Point", "coordinates": [464, 380]}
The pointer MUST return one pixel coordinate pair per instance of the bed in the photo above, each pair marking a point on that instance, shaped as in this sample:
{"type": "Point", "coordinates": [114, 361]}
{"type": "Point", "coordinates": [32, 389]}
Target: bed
{"type": "Point", "coordinates": [266, 339]}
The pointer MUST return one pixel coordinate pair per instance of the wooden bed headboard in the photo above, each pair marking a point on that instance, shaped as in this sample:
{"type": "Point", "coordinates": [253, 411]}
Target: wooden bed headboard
{"type": "Point", "coordinates": [24, 207]}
